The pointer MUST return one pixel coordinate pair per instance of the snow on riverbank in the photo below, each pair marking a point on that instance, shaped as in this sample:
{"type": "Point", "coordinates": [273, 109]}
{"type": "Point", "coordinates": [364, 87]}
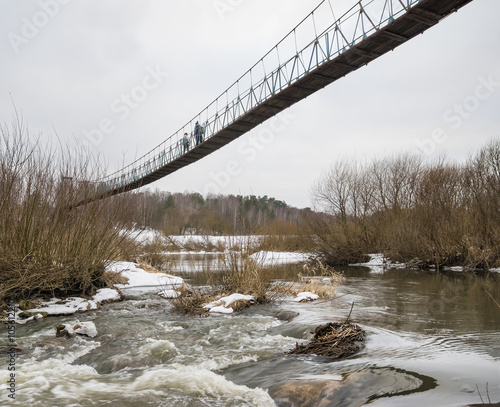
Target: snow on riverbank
{"type": "Point", "coordinates": [378, 263]}
{"type": "Point", "coordinates": [136, 278]}
{"type": "Point", "coordinates": [68, 306]}
{"type": "Point", "coordinates": [306, 296]}
{"type": "Point", "coordinates": [228, 241]}
{"type": "Point", "coordinates": [222, 305]}
{"type": "Point", "coordinates": [266, 258]}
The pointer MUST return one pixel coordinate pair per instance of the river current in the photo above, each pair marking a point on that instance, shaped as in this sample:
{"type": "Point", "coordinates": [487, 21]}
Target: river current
{"type": "Point", "coordinates": [433, 339]}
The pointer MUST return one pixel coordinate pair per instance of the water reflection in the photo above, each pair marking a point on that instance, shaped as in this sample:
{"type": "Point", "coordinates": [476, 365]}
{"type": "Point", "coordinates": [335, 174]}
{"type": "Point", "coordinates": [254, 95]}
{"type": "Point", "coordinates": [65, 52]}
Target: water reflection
{"type": "Point", "coordinates": [423, 301]}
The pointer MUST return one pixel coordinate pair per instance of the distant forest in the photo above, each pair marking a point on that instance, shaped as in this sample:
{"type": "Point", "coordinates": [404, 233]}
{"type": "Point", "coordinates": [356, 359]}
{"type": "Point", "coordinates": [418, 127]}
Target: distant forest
{"type": "Point", "coordinates": [191, 213]}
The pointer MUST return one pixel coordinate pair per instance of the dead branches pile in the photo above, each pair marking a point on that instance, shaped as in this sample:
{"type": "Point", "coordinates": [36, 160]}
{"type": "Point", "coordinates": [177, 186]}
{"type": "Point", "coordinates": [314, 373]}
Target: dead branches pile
{"type": "Point", "coordinates": [333, 340]}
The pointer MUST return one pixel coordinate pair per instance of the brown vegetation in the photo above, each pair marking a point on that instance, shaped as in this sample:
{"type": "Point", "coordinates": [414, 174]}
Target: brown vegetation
{"type": "Point", "coordinates": [320, 279]}
{"type": "Point", "coordinates": [333, 340]}
{"type": "Point", "coordinates": [239, 274]}
{"type": "Point", "coordinates": [243, 275]}
{"type": "Point", "coordinates": [438, 214]}
{"type": "Point", "coordinates": [44, 246]}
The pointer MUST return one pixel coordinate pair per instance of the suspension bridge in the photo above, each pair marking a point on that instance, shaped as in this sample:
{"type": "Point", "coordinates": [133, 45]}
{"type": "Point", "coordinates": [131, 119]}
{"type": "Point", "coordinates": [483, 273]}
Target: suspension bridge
{"type": "Point", "coordinates": [318, 51]}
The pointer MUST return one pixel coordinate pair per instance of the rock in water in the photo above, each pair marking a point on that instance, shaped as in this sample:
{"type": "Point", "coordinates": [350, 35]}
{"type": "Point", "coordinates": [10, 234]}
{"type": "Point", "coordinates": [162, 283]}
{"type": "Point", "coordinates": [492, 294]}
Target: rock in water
{"type": "Point", "coordinates": [284, 315]}
{"type": "Point", "coordinates": [85, 328]}
{"type": "Point", "coordinates": [80, 328]}
{"type": "Point", "coordinates": [64, 330]}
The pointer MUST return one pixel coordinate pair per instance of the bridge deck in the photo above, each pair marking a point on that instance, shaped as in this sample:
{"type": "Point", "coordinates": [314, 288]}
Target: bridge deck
{"type": "Point", "coordinates": [416, 20]}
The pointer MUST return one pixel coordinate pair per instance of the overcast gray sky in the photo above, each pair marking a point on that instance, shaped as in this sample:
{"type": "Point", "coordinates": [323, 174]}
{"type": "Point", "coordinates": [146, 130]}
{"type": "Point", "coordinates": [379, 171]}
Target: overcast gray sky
{"type": "Point", "coordinates": [129, 73]}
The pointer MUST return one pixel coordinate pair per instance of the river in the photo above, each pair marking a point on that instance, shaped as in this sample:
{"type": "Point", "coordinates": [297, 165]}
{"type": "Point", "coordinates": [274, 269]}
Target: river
{"type": "Point", "coordinates": [431, 339]}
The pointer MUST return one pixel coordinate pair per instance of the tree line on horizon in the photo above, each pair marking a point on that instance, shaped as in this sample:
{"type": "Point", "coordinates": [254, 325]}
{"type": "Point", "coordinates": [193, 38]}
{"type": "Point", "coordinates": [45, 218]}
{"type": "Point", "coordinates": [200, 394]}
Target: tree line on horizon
{"type": "Point", "coordinates": [192, 213]}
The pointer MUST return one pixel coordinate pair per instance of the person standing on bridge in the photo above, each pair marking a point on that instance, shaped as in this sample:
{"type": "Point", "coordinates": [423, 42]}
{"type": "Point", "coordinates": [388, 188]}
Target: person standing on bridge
{"type": "Point", "coordinates": [198, 133]}
{"type": "Point", "coordinates": [185, 143]}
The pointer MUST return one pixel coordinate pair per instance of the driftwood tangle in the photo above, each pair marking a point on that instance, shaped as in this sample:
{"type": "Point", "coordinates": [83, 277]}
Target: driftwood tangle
{"type": "Point", "coordinates": [333, 340]}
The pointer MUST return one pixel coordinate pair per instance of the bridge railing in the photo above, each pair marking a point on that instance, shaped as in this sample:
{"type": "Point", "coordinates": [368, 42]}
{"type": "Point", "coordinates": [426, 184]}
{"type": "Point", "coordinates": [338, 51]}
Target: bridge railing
{"type": "Point", "coordinates": [258, 84]}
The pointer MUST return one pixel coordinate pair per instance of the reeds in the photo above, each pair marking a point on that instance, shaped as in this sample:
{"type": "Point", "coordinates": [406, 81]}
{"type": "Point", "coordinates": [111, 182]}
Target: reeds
{"type": "Point", "coordinates": [239, 273]}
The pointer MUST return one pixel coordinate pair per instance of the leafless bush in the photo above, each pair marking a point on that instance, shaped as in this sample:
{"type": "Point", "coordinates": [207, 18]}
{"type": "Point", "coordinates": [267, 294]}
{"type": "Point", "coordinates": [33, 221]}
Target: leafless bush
{"type": "Point", "coordinates": [45, 246]}
{"type": "Point", "coordinates": [439, 213]}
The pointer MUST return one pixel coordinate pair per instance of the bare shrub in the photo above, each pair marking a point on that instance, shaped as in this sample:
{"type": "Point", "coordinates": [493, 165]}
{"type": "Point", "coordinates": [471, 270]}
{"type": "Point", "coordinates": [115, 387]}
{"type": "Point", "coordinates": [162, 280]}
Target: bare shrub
{"type": "Point", "coordinates": [483, 197]}
{"type": "Point", "coordinates": [439, 213]}
{"type": "Point", "coordinates": [46, 246]}
{"type": "Point", "coordinates": [337, 242]}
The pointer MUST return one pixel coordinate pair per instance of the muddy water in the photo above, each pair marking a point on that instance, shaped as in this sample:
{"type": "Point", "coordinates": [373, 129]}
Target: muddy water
{"type": "Point", "coordinates": [431, 339]}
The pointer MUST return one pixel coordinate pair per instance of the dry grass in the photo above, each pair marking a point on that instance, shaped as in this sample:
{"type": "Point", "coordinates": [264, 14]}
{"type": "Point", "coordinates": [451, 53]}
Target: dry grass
{"type": "Point", "coordinates": [320, 279]}
{"type": "Point", "coordinates": [192, 303]}
{"type": "Point", "coordinates": [239, 274]}
{"type": "Point", "coordinates": [110, 278]}
{"type": "Point", "coordinates": [148, 267]}
{"type": "Point", "coordinates": [243, 275]}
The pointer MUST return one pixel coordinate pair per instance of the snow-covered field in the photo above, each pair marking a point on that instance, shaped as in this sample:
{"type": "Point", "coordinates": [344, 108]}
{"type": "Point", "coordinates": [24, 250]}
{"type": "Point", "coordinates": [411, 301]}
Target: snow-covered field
{"type": "Point", "coordinates": [149, 235]}
{"type": "Point", "coordinates": [267, 258]}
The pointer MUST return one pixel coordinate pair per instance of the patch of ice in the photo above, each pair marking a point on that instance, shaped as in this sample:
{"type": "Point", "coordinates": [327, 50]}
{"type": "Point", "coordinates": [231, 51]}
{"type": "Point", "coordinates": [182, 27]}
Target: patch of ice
{"type": "Point", "coordinates": [81, 328]}
{"type": "Point", "coordinates": [236, 297]}
{"type": "Point", "coordinates": [306, 296]}
{"type": "Point", "coordinates": [72, 305]}
{"type": "Point", "coordinates": [84, 328]}
{"type": "Point", "coordinates": [169, 293]}
{"type": "Point", "coordinates": [221, 310]}
{"type": "Point", "coordinates": [68, 306]}
{"type": "Point", "coordinates": [222, 304]}
{"type": "Point", "coordinates": [376, 264]}
{"type": "Point", "coordinates": [376, 259]}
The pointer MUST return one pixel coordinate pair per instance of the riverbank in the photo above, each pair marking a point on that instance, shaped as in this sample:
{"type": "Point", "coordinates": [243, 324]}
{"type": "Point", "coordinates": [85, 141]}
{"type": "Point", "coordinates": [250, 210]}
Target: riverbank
{"type": "Point", "coordinates": [167, 286]}
{"type": "Point", "coordinates": [139, 279]}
